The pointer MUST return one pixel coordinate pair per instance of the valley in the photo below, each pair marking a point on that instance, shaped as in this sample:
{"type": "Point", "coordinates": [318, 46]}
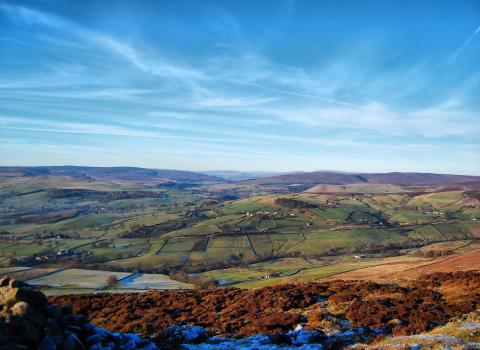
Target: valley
{"type": "Point", "coordinates": [188, 226]}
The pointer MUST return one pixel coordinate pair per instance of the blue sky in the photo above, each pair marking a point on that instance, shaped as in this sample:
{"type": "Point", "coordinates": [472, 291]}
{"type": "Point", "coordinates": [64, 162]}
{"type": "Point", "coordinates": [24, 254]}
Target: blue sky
{"type": "Point", "coordinates": [245, 85]}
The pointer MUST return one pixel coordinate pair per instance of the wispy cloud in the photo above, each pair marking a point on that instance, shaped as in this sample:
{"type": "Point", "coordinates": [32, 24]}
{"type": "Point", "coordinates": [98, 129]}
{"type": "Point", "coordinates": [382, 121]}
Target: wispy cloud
{"type": "Point", "coordinates": [230, 91]}
{"type": "Point", "coordinates": [465, 45]}
{"type": "Point", "coordinates": [160, 66]}
{"type": "Point", "coordinates": [446, 119]}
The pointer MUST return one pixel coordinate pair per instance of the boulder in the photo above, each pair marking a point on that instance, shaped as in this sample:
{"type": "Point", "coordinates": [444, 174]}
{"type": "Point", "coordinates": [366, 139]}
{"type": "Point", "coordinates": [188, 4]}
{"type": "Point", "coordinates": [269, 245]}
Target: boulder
{"type": "Point", "coordinates": [47, 343]}
{"type": "Point", "coordinates": [194, 334]}
{"type": "Point", "coordinates": [72, 343]}
{"type": "Point", "coordinates": [27, 321]}
{"type": "Point", "coordinates": [30, 296]}
{"type": "Point", "coordinates": [20, 309]}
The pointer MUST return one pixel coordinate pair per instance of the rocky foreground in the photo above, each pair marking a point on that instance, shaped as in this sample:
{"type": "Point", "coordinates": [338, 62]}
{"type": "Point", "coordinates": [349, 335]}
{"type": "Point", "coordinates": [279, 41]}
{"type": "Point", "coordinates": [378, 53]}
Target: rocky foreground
{"type": "Point", "coordinates": [328, 315]}
{"type": "Point", "coordinates": [437, 311]}
{"type": "Point", "coordinates": [28, 321]}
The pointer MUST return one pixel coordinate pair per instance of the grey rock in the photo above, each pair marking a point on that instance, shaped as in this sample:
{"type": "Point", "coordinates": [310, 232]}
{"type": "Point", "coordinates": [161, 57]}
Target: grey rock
{"type": "Point", "coordinates": [129, 345]}
{"type": "Point", "coordinates": [93, 339]}
{"type": "Point", "coordinates": [194, 334]}
{"type": "Point", "coordinates": [301, 337]}
{"type": "Point", "coordinates": [47, 344]}
{"type": "Point", "coordinates": [102, 332]}
{"type": "Point", "coordinates": [54, 311]}
{"type": "Point", "coordinates": [89, 328]}
{"type": "Point", "coordinates": [149, 346]}
{"type": "Point", "coordinates": [72, 343]}
{"type": "Point", "coordinates": [97, 347]}
{"type": "Point", "coordinates": [134, 337]}
{"type": "Point", "coordinates": [67, 310]}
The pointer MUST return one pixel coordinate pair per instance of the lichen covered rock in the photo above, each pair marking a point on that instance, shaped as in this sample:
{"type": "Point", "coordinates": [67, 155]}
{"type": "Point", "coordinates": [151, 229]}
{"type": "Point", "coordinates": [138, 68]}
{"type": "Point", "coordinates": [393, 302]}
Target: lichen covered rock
{"type": "Point", "coordinates": [27, 321]}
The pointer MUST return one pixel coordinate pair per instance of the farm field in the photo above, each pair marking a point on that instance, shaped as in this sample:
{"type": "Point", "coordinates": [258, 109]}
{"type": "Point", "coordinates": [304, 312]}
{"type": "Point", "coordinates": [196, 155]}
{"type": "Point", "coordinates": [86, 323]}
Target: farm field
{"type": "Point", "coordinates": [76, 281]}
{"type": "Point", "coordinates": [13, 269]}
{"type": "Point", "coordinates": [142, 281]}
{"type": "Point", "coordinates": [77, 278]}
{"type": "Point", "coordinates": [411, 263]}
{"type": "Point", "coordinates": [141, 226]}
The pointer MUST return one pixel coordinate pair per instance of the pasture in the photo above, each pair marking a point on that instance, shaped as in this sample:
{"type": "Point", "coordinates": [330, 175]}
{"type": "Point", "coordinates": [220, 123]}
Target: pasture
{"type": "Point", "coordinates": [55, 221]}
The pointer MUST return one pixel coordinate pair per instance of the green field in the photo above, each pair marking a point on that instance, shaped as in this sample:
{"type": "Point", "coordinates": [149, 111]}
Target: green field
{"type": "Point", "coordinates": [77, 278]}
{"type": "Point", "coordinates": [143, 226]}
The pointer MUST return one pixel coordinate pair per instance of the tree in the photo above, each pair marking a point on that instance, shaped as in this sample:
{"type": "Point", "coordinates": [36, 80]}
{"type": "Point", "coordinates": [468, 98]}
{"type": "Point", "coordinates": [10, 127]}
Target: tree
{"type": "Point", "coordinates": [111, 280]}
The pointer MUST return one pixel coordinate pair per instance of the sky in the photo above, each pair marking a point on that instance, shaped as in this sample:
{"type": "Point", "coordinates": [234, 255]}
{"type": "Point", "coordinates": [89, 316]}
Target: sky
{"type": "Point", "coordinates": [270, 85]}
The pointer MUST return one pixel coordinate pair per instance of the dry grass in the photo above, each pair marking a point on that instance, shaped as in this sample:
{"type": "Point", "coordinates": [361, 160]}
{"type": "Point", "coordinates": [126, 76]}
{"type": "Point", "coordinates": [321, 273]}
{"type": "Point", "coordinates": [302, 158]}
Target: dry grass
{"type": "Point", "coordinates": [462, 333]}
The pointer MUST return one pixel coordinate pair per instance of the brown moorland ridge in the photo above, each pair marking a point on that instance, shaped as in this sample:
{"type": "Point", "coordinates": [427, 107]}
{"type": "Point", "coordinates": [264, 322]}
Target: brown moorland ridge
{"type": "Point", "coordinates": [339, 178]}
{"type": "Point", "coordinates": [406, 307]}
{"type": "Point", "coordinates": [415, 270]}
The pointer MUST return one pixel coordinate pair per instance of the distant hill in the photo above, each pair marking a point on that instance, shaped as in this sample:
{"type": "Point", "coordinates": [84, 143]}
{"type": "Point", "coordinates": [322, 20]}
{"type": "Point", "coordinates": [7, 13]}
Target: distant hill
{"type": "Point", "coordinates": [340, 178]}
{"type": "Point", "coordinates": [238, 178]}
{"type": "Point", "coordinates": [231, 175]}
{"type": "Point", "coordinates": [113, 173]}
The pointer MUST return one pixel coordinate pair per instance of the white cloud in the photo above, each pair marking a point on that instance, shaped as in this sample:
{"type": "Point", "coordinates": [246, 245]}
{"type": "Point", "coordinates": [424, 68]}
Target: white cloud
{"type": "Point", "coordinates": [159, 66]}
{"type": "Point", "coordinates": [465, 45]}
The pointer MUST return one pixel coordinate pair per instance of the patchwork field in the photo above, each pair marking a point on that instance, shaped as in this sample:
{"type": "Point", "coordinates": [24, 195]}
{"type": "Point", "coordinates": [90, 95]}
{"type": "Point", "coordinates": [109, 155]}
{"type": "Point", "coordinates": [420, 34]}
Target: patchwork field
{"type": "Point", "coordinates": [133, 224]}
{"type": "Point", "coordinates": [74, 281]}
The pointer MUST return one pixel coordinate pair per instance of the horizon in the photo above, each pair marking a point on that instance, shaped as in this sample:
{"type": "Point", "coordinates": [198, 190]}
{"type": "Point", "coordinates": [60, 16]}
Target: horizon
{"type": "Point", "coordinates": [380, 86]}
{"type": "Point", "coordinates": [272, 173]}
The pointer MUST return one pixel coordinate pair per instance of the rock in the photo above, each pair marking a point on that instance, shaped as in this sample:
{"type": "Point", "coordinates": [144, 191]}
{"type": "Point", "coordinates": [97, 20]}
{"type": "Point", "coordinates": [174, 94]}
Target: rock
{"type": "Point", "coordinates": [81, 320]}
{"type": "Point", "coordinates": [17, 284]}
{"type": "Point", "coordinates": [89, 328]}
{"type": "Point", "coordinates": [187, 334]}
{"type": "Point", "coordinates": [129, 345]}
{"type": "Point", "coordinates": [134, 337]}
{"type": "Point", "coordinates": [20, 309]}
{"type": "Point", "coordinates": [110, 345]}
{"type": "Point", "coordinates": [300, 336]}
{"type": "Point", "coordinates": [52, 327]}
{"type": "Point", "coordinates": [31, 333]}
{"type": "Point", "coordinates": [72, 343]}
{"type": "Point", "coordinates": [53, 311]}
{"type": "Point", "coordinates": [194, 334]}
{"type": "Point", "coordinates": [306, 337]}
{"type": "Point", "coordinates": [173, 334]}
{"type": "Point", "coordinates": [310, 347]}
{"type": "Point", "coordinates": [74, 329]}
{"type": "Point", "coordinates": [299, 327]}
{"type": "Point", "coordinates": [66, 310]}
{"type": "Point", "coordinates": [280, 338]}
{"type": "Point", "coordinates": [28, 295]}
{"type": "Point", "coordinates": [97, 347]}
{"type": "Point", "coordinates": [28, 322]}
{"type": "Point", "coordinates": [102, 332]}
{"type": "Point", "coordinates": [93, 339]}
{"type": "Point", "coordinates": [5, 281]}
{"type": "Point", "coordinates": [149, 346]}
{"type": "Point", "coordinates": [47, 344]}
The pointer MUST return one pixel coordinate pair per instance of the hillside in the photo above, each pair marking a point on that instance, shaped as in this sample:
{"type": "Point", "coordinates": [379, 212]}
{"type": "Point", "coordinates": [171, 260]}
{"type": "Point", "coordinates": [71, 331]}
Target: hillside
{"type": "Point", "coordinates": [51, 221]}
{"type": "Point", "coordinates": [334, 314]}
{"type": "Point", "coordinates": [319, 265]}
{"type": "Point", "coordinates": [339, 178]}
{"type": "Point", "coordinates": [111, 173]}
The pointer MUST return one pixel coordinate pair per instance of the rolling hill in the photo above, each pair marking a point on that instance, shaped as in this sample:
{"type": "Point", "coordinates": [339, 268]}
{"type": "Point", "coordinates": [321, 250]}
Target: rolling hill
{"type": "Point", "coordinates": [340, 178]}
{"type": "Point", "coordinates": [113, 173]}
